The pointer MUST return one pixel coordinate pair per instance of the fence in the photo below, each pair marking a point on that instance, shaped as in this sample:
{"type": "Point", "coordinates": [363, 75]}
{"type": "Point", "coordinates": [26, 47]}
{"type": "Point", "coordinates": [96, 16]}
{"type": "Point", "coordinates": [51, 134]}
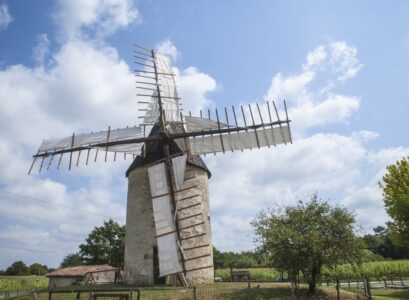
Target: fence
{"type": "Point", "coordinates": [358, 288]}
{"type": "Point", "coordinates": [222, 290]}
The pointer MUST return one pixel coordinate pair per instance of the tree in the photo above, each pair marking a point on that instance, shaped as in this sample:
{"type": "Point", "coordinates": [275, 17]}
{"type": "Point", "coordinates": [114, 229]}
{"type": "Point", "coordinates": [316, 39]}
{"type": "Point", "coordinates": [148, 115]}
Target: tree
{"type": "Point", "coordinates": [307, 237]}
{"type": "Point", "coordinates": [381, 243]}
{"type": "Point", "coordinates": [395, 188]}
{"type": "Point", "coordinates": [105, 245]}
{"type": "Point", "coordinates": [38, 269]}
{"type": "Point", "coordinates": [72, 260]}
{"type": "Point", "coordinates": [18, 268]}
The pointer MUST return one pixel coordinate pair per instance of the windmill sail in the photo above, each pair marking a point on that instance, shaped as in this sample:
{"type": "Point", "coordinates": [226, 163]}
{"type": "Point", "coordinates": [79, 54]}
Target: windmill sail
{"type": "Point", "coordinates": [164, 223]}
{"type": "Point", "coordinates": [163, 86]}
{"type": "Point", "coordinates": [179, 198]}
{"type": "Point", "coordinates": [240, 140]}
{"type": "Point", "coordinates": [95, 140]}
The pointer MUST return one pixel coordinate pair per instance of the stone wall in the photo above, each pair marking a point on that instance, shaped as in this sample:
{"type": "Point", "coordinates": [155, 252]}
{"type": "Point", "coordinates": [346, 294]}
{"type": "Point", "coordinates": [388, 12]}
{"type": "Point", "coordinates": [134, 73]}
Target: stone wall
{"type": "Point", "coordinates": [140, 228]}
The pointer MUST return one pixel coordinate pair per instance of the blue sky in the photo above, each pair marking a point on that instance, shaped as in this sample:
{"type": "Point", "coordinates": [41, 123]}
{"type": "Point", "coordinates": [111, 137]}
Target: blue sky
{"type": "Point", "coordinates": [67, 66]}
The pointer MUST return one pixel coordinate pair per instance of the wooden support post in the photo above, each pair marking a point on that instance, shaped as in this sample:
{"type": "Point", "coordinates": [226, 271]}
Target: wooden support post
{"type": "Point", "coordinates": [262, 122]}
{"type": "Point", "coordinates": [49, 162]}
{"type": "Point", "coordinates": [72, 146]}
{"type": "Point", "coordinates": [41, 165]}
{"type": "Point", "coordinates": [89, 150]}
{"type": "Point", "coordinates": [254, 124]}
{"type": "Point", "coordinates": [106, 148]}
{"type": "Point", "coordinates": [32, 165]}
{"type": "Point", "coordinates": [78, 157]}
{"type": "Point", "coordinates": [227, 121]}
{"type": "Point", "coordinates": [281, 127]}
{"type": "Point", "coordinates": [185, 139]}
{"type": "Point", "coordinates": [59, 161]}
{"type": "Point", "coordinates": [337, 287]}
{"type": "Point", "coordinates": [288, 121]}
{"type": "Point", "coordinates": [96, 155]}
{"type": "Point", "coordinates": [208, 111]}
{"type": "Point", "coordinates": [271, 121]}
{"type": "Point", "coordinates": [218, 125]}
{"type": "Point", "coordinates": [244, 119]}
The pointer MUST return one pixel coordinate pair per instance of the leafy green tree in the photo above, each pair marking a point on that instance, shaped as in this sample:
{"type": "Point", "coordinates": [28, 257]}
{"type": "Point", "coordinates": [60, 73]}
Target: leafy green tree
{"type": "Point", "coordinates": [72, 260]}
{"type": "Point", "coordinates": [308, 237]}
{"type": "Point", "coordinates": [38, 269]}
{"type": "Point", "coordinates": [395, 188]}
{"type": "Point", "coordinates": [18, 268]}
{"type": "Point", "coordinates": [105, 245]}
{"type": "Point", "coordinates": [381, 243]}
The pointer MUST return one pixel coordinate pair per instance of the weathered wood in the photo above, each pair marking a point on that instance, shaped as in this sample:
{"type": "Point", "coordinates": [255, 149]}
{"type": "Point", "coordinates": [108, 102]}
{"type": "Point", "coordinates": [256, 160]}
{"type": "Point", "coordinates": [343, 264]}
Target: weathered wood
{"type": "Point", "coordinates": [190, 197]}
{"type": "Point", "coordinates": [288, 122]}
{"type": "Point", "coordinates": [78, 157]}
{"type": "Point", "coordinates": [41, 165]}
{"type": "Point", "coordinates": [72, 146]}
{"type": "Point", "coordinates": [278, 118]}
{"type": "Point", "coordinates": [32, 165]}
{"type": "Point", "coordinates": [193, 225]}
{"type": "Point", "coordinates": [196, 269]}
{"type": "Point", "coordinates": [59, 161]}
{"type": "Point", "coordinates": [271, 121]}
{"type": "Point", "coordinates": [196, 247]}
{"type": "Point", "coordinates": [197, 257]}
{"type": "Point", "coordinates": [262, 122]}
{"type": "Point", "coordinates": [255, 130]}
{"type": "Point", "coordinates": [218, 125]}
{"type": "Point", "coordinates": [192, 236]}
{"type": "Point", "coordinates": [189, 217]}
{"type": "Point", "coordinates": [189, 206]}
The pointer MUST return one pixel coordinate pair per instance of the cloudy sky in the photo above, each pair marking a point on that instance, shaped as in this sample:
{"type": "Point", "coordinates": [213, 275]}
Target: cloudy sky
{"type": "Point", "coordinates": [66, 66]}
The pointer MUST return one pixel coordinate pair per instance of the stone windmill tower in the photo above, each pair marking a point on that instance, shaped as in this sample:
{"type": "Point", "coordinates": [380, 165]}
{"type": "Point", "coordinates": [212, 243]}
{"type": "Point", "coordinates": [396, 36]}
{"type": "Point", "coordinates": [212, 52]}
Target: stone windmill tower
{"type": "Point", "coordinates": [168, 230]}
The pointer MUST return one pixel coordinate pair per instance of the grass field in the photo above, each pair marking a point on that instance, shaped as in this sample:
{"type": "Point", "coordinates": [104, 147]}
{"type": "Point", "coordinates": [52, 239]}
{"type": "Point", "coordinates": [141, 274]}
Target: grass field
{"type": "Point", "coordinates": [218, 291]}
{"type": "Point", "coordinates": [22, 282]}
{"type": "Point", "coordinates": [390, 294]}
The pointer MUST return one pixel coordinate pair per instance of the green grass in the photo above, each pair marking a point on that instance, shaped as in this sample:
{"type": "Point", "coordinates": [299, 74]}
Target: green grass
{"type": "Point", "coordinates": [217, 291]}
{"type": "Point", "coordinates": [22, 282]}
{"type": "Point", "coordinates": [390, 294]}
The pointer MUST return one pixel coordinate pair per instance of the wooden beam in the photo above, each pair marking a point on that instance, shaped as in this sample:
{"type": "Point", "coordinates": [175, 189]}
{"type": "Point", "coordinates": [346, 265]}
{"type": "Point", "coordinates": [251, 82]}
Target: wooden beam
{"type": "Point", "coordinates": [262, 122]}
{"type": "Point", "coordinates": [218, 125]}
{"type": "Point", "coordinates": [72, 146]}
{"type": "Point", "coordinates": [254, 124]}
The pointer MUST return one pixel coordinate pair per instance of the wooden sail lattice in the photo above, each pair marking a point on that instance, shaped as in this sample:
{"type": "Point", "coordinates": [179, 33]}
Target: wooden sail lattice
{"type": "Point", "coordinates": [235, 129]}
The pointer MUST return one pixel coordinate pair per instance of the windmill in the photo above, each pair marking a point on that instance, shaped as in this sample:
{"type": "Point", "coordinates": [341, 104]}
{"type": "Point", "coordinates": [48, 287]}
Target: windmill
{"type": "Point", "coordinates": [168, 229]}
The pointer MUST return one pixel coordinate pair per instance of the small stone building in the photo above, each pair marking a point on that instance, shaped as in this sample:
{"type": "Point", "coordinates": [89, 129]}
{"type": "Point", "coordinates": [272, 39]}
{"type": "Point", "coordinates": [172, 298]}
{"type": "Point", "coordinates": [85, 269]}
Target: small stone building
{"type": "Point", "coordinates": [81, 275]}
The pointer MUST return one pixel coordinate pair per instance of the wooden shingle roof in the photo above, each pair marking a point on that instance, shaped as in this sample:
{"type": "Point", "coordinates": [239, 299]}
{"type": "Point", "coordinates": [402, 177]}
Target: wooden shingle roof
{"type": "Point", "coordinates": [79, 271]}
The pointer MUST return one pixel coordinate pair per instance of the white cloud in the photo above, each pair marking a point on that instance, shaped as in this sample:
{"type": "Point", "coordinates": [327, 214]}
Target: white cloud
{"type": "Point", "coordinates": [84, 86]}
{"type": "Point", "coordinates": [5, 17]}
{"type": "Point", "coordinates": [313, 92]}
{"type": "Point", "coordinates": [194, 87]}
{"type": "Point", "coordinates": [168, 48]}
{"type": "Point", "coordinates": [94, 18]}
{"type": "Point", "coordinates": [42, 49]}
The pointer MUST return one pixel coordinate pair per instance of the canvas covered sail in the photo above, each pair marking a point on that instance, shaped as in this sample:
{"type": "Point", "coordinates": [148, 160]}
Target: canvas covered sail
{"type": "Point", "coordinates": [96, 140]}
{"type": "Point", "coordinates": [164, 87]}
{"type": "Point", "coordinates": [164, 222]}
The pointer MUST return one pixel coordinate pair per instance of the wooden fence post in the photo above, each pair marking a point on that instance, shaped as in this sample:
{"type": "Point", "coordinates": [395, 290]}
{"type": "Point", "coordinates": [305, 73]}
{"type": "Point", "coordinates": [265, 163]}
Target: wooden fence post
{"type": "Point", "coordinates": [194, 293]}
{"type": "Point", "coordinates": [337, 286]}
{"type": "Point", "coordinates": [368, 287]}
{"type": "Point", "coordinates": [34, 296]}
{"type": "Point", "coordinates": [384, 281]}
